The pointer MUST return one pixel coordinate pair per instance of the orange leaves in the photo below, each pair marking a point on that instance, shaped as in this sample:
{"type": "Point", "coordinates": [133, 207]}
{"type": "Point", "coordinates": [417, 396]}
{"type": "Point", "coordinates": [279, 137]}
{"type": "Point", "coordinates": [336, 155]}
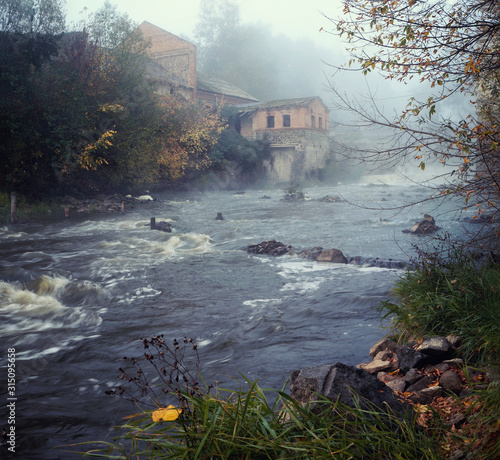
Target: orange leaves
{"type": "Point", "coordinates": [471, 66]}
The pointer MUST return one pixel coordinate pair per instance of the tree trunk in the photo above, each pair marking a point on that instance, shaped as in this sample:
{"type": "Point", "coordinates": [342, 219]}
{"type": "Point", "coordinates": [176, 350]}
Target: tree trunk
{"type": "Point", "coordinates": [13, 206]}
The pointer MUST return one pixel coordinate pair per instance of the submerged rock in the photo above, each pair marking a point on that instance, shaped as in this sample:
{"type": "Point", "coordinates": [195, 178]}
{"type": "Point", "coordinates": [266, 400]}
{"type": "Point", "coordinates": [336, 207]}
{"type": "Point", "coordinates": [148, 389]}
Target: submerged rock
{"type": "Point", "coordinates": [162, 225]}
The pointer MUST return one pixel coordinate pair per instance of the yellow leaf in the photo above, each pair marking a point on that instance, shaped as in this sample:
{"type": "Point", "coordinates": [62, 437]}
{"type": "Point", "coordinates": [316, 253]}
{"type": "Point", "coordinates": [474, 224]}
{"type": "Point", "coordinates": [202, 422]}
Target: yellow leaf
{"type": "Point", "coordinates": [166, 415]}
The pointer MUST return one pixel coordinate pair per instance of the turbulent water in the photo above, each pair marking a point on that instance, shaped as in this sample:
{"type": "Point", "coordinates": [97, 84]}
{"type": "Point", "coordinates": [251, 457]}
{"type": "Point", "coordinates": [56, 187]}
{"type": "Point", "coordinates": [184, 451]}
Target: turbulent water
{"type": "Point", "coordinates": [77, 296]}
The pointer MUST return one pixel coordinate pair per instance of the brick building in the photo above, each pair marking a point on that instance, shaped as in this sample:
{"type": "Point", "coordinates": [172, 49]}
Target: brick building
{"type": "Point", "coordinates": [172, 70]}
{"type": "Point", "coordinates": [297, 130]}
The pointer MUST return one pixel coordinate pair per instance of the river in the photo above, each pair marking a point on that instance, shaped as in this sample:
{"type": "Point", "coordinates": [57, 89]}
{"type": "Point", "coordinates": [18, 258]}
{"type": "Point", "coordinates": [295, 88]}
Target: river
{"type": "Point", "coordinates": [77, 296]}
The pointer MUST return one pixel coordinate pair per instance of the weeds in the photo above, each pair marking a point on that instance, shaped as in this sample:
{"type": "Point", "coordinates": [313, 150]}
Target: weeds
{"type": "Point", "coordinates": [242, 424]}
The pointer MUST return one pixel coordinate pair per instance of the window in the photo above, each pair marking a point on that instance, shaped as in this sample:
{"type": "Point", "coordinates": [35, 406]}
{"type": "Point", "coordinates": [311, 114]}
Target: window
{"type": "Point", "coordinates": [313, 121]}
{"type": "Point", "coordinates": [320, 121]}
{"type": "Point", "coordinates": [270, 121]}
{"type": "Point", "coordinates": [286, 121]}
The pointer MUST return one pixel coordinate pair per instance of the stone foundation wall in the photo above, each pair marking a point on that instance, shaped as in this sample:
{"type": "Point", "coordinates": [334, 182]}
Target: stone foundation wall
{"type": "Point", "coordinates": [296, 154]}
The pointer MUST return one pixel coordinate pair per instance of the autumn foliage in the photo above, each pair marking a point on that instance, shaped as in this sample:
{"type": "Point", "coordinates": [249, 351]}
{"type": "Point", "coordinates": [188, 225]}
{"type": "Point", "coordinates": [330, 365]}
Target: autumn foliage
{"type": "Point", "coordinates": [78, 113]}
{"type": "Point", "coordinates": [451, 48]}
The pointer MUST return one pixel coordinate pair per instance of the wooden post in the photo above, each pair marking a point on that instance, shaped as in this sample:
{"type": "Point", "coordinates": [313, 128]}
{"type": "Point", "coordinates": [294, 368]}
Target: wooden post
{"type": "Point", "coordinates": [153, 223]}
{"type": "Point", "coordinates": [13, 206]}
{"type": "Point", "coordinates": [123, 207]}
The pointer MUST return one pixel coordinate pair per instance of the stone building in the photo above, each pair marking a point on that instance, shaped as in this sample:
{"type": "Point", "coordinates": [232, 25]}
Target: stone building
{"type": "Point", "coordinates": [297, 130]}
{"type": "Point", "coordinates": [171, 68]}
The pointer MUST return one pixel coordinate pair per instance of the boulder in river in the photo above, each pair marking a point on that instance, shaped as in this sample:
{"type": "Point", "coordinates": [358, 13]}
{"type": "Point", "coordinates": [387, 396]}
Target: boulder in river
{"type": "Point", "coordinates": [425, 227]}
{"type": "Point", "coordinates": [162, 225]}
{"type": "Point", "coordinates": [331, 255]}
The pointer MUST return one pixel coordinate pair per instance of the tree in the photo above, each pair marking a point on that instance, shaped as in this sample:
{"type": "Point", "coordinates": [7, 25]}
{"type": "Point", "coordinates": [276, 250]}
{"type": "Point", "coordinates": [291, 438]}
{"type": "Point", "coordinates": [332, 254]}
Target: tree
{"type": "Point", "coordinates": [249, 55]}
{"type": "Point", "coordinates": [27, 41]}
{"type": "Point", "coordinates": [32, 16]}
{"type": "Point", "coordinates": [451, 48]}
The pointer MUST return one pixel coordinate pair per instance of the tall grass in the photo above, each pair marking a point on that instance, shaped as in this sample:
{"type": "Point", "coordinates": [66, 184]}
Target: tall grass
{"type": "Point", "coordinates": [452, 296]}
{"type": "Point", "coordinates": [28, 210]}
{"type": "Point", "coordinates": [243, 425]}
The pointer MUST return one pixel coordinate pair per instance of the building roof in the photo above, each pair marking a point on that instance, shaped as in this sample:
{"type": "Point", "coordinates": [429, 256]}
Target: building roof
{"type": "Point", "coordinates": [219, 86]}
{"type": "Point", "coordinates": [156, 72]}
{"type": "Point", "coordinates": [282, 103]}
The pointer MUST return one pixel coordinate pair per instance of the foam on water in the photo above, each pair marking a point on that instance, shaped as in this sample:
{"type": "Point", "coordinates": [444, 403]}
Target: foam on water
{"type": "Point", "coordinates": [40, 308]}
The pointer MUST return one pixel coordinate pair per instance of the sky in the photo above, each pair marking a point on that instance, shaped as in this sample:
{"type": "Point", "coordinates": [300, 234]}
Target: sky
{"type": "Point", "coordinates": [294, 18]}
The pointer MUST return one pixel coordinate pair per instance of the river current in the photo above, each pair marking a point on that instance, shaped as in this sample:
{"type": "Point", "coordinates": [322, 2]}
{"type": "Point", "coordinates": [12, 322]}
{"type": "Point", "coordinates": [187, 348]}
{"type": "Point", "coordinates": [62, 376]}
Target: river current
{"type": "Point", "coordinates": [77, 296]}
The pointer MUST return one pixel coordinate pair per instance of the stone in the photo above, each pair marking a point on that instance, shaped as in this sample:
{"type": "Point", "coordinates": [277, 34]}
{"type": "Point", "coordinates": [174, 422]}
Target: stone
{"type": "Point", "coordinates": [450, 382]}
{"type": "Point", "coordinates": [271, 247]}
{"type": "Point", "coordinates": [144, 198]}
{"type": "Point", "coordinates": [384, 344]}
{"type": "Point", "coordinates": [493, 373]}
{"type": "Point", "coordinates": [331, 255]}
{"type": "Point", "coordinates": [436, 348]}
{"type": "Point", "coordinates": [442, 367]}
{"type": "Point", "coordinates": [162, 225]}
{"type": "Point", "coordinates": [420, 384]}
{"type": "Point", "coordinates": [376, 365]}
{"type": "Point", "coordinates": [219, 216]}
{"type": "Point", "coordinates": [425, 227]}
{"type": "Point", "coordinates": [426, 395]}
{"type": "Point", "coordinates": [338, 380]}
{"type": "Point", "coordinates": [408, 357]}
{"type": "Point", "coordinates": [311, 253]}
{"type": "Point", "coordinates": [397, 385]}
{"type": "Point", "coordinates": [457, 420]}
{"type": "Point", "coordinates": [412, 376]}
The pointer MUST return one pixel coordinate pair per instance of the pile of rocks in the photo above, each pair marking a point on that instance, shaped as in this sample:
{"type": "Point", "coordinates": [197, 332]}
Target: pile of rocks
{"type": "Point", "coordinates": [421, 371]}
{"type": "Point", "coordinates": [318, 254]}
{"type": "Point", "coordinates": [271, 248]}
{"type": "Point", "coordinates": [398, 376]}
{"type": "Point", "coordinates": [101, 203]}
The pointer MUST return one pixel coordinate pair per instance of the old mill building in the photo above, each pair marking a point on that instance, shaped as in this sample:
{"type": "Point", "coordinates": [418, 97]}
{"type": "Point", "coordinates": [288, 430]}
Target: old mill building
{"type": "Point", "coordinates": [297, 129]}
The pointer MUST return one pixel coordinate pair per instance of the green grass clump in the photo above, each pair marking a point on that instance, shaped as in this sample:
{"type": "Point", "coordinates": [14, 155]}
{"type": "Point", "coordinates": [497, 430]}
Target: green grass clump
{"type": "Point", "coordinates": [455, 296]}
{"type": "Point", "coordinates": [28, 209]}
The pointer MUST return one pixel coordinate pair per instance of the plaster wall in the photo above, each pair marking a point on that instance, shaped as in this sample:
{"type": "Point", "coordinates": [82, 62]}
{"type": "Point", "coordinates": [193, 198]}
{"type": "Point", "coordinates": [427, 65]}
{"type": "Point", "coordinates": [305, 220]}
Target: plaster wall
{"type": "Point", "coordinates": [296, 155]}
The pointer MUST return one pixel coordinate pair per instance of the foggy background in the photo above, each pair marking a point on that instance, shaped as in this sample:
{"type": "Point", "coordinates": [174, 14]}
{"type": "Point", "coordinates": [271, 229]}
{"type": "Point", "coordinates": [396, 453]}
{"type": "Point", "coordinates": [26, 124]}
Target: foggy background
{"type": "Point", "coordinates": [280, 50]}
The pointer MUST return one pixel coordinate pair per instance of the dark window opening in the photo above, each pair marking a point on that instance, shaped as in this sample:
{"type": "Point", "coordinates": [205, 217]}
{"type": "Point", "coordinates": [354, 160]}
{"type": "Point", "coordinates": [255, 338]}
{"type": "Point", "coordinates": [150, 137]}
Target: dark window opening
{"type": "Point", "coordinates": [320, 121]}
{"type": "Point", "coordinates": [313, 121]}
{"type": "Point", "coordinates": [270, 121]}
{"type": "Point", "coordinates": [286, 121]}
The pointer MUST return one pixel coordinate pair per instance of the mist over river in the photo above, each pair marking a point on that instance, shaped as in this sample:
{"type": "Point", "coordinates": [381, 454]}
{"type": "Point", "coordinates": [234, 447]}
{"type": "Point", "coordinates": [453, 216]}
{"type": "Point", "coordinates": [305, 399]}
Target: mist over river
{"type": "Point", "coordinates": [77, 296]}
